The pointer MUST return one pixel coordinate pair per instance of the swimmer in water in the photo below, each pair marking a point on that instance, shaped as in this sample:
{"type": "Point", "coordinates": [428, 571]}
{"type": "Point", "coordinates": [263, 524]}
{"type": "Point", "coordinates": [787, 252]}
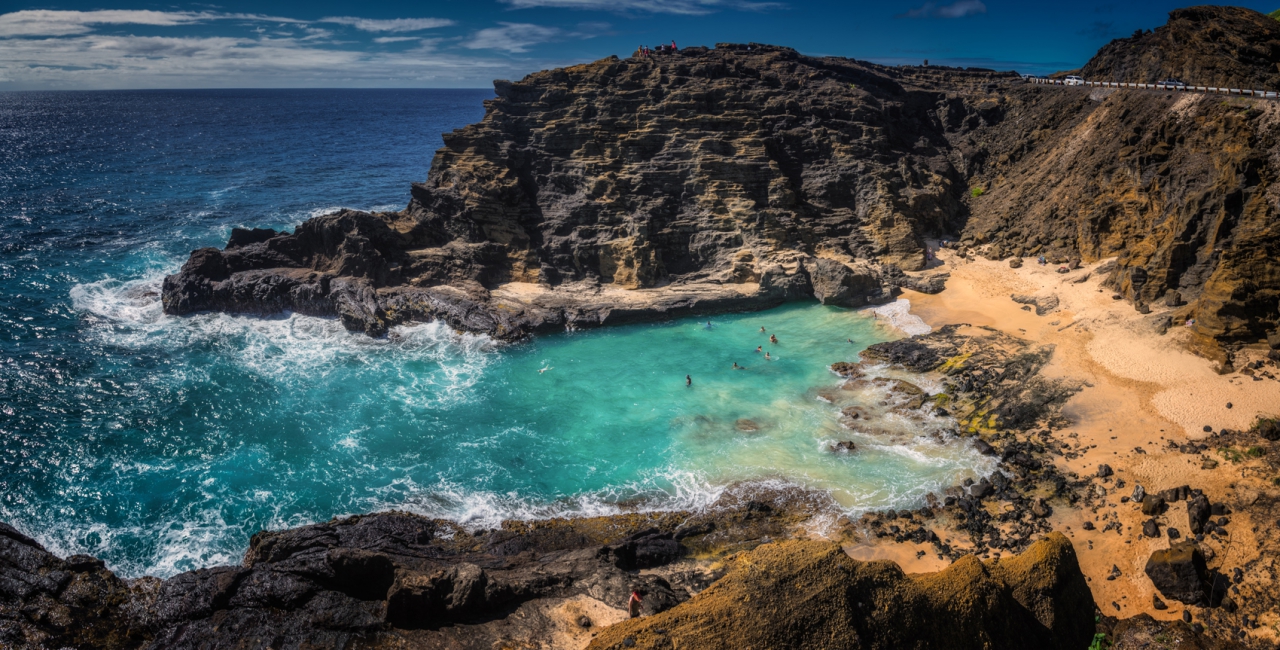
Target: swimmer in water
{"type": "Point", "coordinates": [736, 366]}
{"type": "Point", "coordinates": [759, 348]}
{"type": "Point", "coordinates": [849, 340]}
{"type": "Point", "coordinates": [767, 357]}
{"type": "Point", "coordinates": [708, 324]}
{"type": "Point", "coordinates": [773, 338]}
{"type": "Point", "coordinates": [762, 329]}
{"type": "Point", "coordinates": [688, 381]}
{"type": "Point", "coordinates": [544, 369]}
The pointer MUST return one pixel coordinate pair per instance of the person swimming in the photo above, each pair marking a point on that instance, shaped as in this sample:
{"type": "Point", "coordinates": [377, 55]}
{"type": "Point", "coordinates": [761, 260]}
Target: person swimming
{"type": "Point", "coordinates": [688, 381]}
{"type": "Point", "coordinates": [759, 348]}
{"type": "Point", "coordinates": [708, 326]}
{"type": "Point", "coordinates": [762, 329]}
{"type": "Point", "coordinates": [773, 338]}
{"type": "Point", "coordinates": [767, 357]}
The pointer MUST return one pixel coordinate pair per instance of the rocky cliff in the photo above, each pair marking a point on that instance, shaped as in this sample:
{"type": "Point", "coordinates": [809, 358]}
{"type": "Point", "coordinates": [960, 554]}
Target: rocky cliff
{"type": "Point", "coordinates": [1208, 45]}
{"type": "Point", "coordinates": [724, 178]}
{"type": "Point", "coordinates": [745, 175]}
{"type": "Point", "coordinates": [1179, 187]}
{"type": "Point", "coordinates": [395, 580]}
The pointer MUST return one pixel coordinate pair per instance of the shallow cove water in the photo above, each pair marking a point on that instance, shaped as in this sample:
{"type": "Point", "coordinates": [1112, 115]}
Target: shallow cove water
{"type": "Point", "coordinates": [161, 444]}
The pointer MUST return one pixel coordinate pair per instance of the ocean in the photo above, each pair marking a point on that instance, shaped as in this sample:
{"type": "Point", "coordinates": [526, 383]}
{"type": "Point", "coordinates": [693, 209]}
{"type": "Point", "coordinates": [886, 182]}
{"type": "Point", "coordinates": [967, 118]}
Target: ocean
{"type": "Point", "coordinates": [161, 444]}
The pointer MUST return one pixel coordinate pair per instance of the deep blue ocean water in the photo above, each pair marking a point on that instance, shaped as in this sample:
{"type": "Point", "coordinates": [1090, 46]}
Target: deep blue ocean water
{"type": "Point", "coordinates": [161, 444]}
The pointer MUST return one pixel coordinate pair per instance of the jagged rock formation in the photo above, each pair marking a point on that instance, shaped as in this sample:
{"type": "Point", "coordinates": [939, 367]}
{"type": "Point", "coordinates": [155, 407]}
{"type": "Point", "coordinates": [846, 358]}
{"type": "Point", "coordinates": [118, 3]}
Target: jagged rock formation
{"type": "Point", "coordinates": [395, 580]}
{"type": "Point", "coordinates": [709, 179]}
{"type": "Point", "coordinates": [1180, 187]}
{"type": "Point", "coordinates": [1229, 47]}
{"type": "Point", "coordinates": [742, 176]}
{"type": "Point", "coordinates": [812, 595]}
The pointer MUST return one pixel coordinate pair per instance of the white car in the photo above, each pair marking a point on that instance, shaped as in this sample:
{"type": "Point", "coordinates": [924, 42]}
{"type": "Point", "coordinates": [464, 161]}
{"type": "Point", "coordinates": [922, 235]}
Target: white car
{"type": "Point", "coordinates": [1072, 80]}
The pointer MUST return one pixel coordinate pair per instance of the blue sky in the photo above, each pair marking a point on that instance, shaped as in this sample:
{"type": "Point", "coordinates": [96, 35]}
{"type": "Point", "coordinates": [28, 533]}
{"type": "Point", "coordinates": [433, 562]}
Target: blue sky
{"type": "Point", "coordinates": [468, 43]}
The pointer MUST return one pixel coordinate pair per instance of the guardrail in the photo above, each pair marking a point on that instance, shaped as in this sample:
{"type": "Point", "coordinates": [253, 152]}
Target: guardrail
{"type": "Point", "coordinates": [1244, 92]}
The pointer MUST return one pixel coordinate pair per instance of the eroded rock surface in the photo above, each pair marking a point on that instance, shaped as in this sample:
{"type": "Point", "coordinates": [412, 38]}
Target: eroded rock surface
{"type": "Point", "coordinates": [812, 595]}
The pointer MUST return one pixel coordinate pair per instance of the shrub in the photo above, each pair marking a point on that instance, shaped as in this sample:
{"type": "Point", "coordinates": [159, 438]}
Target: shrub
{"type": "Point", "coordinates": [977, 191]}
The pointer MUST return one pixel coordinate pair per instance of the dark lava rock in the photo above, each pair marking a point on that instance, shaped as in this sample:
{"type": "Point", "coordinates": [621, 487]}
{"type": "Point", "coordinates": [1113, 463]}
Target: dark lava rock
{"type": "Point", "coordinates": [1150, 528]}
{"type": "Point", "coordinates": [1198, 512]}
{"type": "Point", "coordinates": [1104, 471]}
{"type": "Point", "coordinates": [1180, 573]}
{"type": "Point", "coordinates": [1158, 604]}
{"type": "Point", "coordinates": [1173, 533]}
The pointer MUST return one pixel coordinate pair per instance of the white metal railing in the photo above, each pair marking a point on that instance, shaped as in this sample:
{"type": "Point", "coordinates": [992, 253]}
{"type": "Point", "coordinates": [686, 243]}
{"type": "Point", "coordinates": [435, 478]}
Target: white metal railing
{"type": "Point", "coordinates": [1245, 92]}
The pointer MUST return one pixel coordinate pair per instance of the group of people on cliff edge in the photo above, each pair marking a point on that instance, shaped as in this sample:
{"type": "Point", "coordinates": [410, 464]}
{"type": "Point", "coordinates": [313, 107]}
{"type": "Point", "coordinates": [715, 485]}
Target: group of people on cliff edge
{"type": "Point", "coordinates": [645, 51]}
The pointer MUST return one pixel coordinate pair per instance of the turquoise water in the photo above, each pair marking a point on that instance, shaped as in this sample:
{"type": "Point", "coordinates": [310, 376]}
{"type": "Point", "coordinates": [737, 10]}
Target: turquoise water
{"type": "Point", "coordinates": [162, 444]}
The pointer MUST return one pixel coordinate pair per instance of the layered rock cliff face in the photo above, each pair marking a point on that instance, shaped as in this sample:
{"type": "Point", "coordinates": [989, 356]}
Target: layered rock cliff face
{"type": "Point", "coordinates": [706, 179]}
{"type": "Point", "coordinates": [1208, 45]}
{"type": "Point", "coordinates": [1180, 187]}
{"type": "Point", "coordinates": [742, 176]}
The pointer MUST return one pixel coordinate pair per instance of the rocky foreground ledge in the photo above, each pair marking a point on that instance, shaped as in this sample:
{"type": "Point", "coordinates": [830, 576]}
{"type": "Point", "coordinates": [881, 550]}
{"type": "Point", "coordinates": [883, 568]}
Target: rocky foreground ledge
{"type": "Point", "coordinates": [397, 580]}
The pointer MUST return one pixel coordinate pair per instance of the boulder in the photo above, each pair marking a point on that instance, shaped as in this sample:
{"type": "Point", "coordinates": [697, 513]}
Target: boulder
{"type": "Point", "coordinates": [1104, 471]}
{"type": "Point", "coordinates": [1198, 512]}
{"type": "Point", "coordinates": [1180, 573]}
{"type": "Point", "coordinates": [1150, 528]}
{"type": "Point", "coordinates": [1015, 263]}
{"type": "Point", "coordinates": [842, 447]}
{"type": "Point", "coordinates": [835, 283]}
{"type": "Point", "coordinates": [1152, 504]}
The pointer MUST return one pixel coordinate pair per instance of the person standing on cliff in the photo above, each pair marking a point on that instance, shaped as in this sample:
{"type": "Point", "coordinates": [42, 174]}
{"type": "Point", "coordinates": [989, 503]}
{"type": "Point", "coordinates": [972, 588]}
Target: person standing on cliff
{"type": "Point", "coordinates": [633, 605]}
{"type": "Point", "coordinates": [673, 45]}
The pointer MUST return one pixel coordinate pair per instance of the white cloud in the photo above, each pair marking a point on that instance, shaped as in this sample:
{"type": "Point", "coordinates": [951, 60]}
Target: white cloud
{"type": "Point", "coordinates": [512, 37]}
{"type": "Point", "coordinates": [519, 37]}
{"type": "Point", "coordinates": [394, 39]}
{"type": "Point", "coordinates": [958, 9]}
{"type": "Point", "coordinates": [105, 61]}
{"type": "Point", "coordinates": [66, 23]}
{"type": "Point", "coordinates": [685, 7]}
{"type": "Point", "coordinates": [389, 25]}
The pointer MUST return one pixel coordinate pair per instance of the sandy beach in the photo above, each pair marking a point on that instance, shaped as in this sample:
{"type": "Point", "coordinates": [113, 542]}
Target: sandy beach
{"type": "Point", "coordinates": [1143, 391]}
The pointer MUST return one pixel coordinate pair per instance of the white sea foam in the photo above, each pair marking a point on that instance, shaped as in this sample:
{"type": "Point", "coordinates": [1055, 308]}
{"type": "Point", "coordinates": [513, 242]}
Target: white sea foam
{"type": "Point", "coordinates": [898, 314]}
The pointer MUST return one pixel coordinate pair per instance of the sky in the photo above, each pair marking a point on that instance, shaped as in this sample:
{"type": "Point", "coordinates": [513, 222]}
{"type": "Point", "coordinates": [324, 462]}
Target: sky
{"type": "Point", "coordinates": [102, 44]}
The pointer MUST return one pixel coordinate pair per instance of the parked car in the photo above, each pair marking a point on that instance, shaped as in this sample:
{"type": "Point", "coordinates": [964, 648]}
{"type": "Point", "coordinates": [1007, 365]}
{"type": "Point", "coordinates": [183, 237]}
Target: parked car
{"type": "Point", "coordinates": [1171, 82]}
{"type": "Point", "coordinates": [1072, 80]}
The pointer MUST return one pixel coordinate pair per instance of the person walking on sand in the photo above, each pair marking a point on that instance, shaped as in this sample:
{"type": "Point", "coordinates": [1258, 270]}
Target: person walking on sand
{"type": "Point", "coordinates": [633, 604]}
{"type": "Point", "coordinates": [688, 381]}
